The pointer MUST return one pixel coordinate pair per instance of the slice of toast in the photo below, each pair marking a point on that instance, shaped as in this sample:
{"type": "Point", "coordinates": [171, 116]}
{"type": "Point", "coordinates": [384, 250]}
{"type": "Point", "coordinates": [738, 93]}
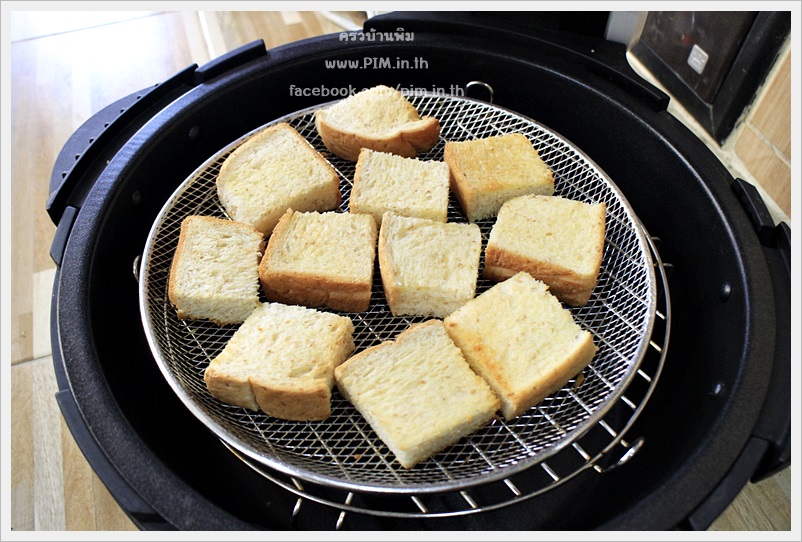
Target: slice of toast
{"type": "Point", "coordinates": [379, 118]}
{"type": "Point", "coordinates": [556, 240]}
{"type": "Point", "coordinates": [274, 170]}
{"type": "Point", "coordinates": [522, 341]}
{"type": "Point", "coordinates": [487, 172]}
{"type": "Point", "coordinates": [406, 186]}
{"type": "Point", "coordinates": [417, 392]}
{"type": "Point", "coordinates": [321, 260]}
{"type": "Point", "coordinates": [428, 268]}
{"type": "Point", "coordinates": [214, 273]}
{"type": "Point", "coordinates": [281, 361]}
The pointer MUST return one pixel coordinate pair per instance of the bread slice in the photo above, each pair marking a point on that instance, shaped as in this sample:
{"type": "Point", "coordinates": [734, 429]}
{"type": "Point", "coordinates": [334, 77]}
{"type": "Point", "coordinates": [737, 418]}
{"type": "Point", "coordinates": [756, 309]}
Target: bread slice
{"type": "Point", "coordinates": [379, 118]}
{"type": "Point", "coordinates": [417, 392]}
{"type": "Point", "coordinates": [428, 268]}
{"type": "Point", "coordinates": [214, 273]}
{"type": "Point", "coordinates": [272, 171]}
{"type": "Point", "coordinates": [521, 340]}
{"type": "Point", "coordinates": [321, 260]}
{"type": "Point", "coordinates": [406, 186]}
{"type": "Point", "coordinates": [556, 240]}
{"type": "Point", "coordinates": [281, 361]}
{"type": "Point", "coordinates": [487, 172]}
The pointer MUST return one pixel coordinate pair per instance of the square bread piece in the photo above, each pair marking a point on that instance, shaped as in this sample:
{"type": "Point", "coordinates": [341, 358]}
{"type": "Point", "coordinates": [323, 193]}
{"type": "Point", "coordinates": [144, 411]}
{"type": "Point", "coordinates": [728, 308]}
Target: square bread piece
{"type": "Point", "coordinates": [321, 260]}
{"type": "Point", "coordinates": [281, 361]}
{"type": "Point", "coordinates": [556, 240]}
{"type": "Point", "coordinates": [417, 392]}
{"type": "Point", "coordinates": [274, 170]}
{"type": "Point", "coordinates": [407, 186]}
{"type": "Point", "coordinates": [214, 273]}
{"type": "Point", "coordinates": [522, 341]}
{"type": "Point", "coordinates": [487, 172]}
{"type": "Point", "coordinates": [428, 268]}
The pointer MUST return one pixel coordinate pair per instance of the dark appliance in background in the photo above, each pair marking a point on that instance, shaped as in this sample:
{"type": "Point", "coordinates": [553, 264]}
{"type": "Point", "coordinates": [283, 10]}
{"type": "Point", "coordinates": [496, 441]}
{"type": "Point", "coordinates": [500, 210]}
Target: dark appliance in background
{"type": "Point", "coordinates": [719, 415]}
{"type": "Point", "coordinates": [713, 62]}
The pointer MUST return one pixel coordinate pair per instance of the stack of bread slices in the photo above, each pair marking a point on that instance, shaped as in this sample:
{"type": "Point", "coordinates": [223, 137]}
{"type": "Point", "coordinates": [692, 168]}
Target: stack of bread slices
{"type": "Point", "coordinates": [288, 268]}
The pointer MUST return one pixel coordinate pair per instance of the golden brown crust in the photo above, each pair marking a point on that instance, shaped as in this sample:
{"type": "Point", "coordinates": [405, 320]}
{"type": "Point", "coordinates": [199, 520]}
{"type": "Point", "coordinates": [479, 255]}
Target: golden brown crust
{"type": "Point", "coordinates": [568, 286]}
{"type": "Point", "coordinates": [387, 270]}
{"type": "Point", "coordinates": [310, 403]}
{"type": "Point", "coordinates": [407, 142]}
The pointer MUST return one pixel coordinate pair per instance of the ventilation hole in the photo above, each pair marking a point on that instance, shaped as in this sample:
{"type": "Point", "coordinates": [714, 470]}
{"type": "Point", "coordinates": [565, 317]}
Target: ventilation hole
{"type": "Point", "coordinates": [63, 174]}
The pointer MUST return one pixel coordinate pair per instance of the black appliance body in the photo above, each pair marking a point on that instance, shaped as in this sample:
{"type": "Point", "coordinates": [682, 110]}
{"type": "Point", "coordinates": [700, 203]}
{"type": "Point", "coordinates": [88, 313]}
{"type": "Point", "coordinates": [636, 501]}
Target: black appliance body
{"type": "Point", "coordinates": [719, 415]}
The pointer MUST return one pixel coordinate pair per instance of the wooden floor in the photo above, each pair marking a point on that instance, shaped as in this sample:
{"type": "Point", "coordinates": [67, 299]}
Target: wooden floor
{"type": "Point", "coordinates": [65, 67]}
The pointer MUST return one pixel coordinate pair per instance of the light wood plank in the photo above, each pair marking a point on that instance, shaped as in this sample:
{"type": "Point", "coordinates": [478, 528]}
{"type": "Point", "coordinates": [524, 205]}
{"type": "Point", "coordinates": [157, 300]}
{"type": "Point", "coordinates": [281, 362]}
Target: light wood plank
{"type": "Point", "coordinates": [759, 507]}
{"type": "Point", "coordinates": [48, 488]}
{"type": "Point", "coordinates": [771, 171]}
{"type": "Point", "coordinates": [42, 296]}
{"type": "Point", "coordinates": [23, 469]}
{"type": "Point", "coordinates": [772, 113]}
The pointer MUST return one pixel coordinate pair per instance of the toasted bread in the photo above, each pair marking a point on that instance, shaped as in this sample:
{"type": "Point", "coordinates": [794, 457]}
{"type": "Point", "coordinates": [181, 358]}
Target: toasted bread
{"type": "Point", "coordinates": [274, 170]}
{"type": "Point", "coordinates": [406, 186]}
{"type": "Point", "coordinates": [281, 361]}
{"type": "Point", "coordinates": [321, 260]}
{"type": "Point", "coordinates": [556, 240]}
{"type": "Point", "coordinates": [489, 171]}
{"type": "Point", "coordinates": [428, 268]}
{"type": "Point", "coordinates": [417, 392]}
{"type": "Point", "coordinates": [214, 273]}
{"type": "Point", "coordinates": [379, 118]}
{"type": "Point", "coordinates": [521, 340]}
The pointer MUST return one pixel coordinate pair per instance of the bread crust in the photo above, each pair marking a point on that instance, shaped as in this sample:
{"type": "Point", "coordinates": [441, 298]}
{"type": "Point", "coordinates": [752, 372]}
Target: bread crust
{"type": "Point", "coordinates": [568, 286]}
{"type": "Point", "coordinates": [462, 189]}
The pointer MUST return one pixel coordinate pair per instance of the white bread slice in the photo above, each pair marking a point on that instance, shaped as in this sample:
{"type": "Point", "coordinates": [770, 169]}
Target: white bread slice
{"type": "Point", "coordinates": [487, 172]}
{"type": "Point", "coordinates": [556, 240]}
{"type": "Point", "coordinates": [272, 171]}
{"type": "Point", "coordinates": [379, 118]}
{"type": "Point", "coordinates": [214, 273]}
{"type": "Point", "coordinates": [428, 268]}
{"type": "Point", "coordinates": [321, 260]}
{"type": "Point", "coordinates": [281, 361]}
{"type": "Point", "coordinates": [417, 392]}
{"type": "Point", "coordinates": [521, 340]}
{"type": "Point", "coordinates": [406, 186]}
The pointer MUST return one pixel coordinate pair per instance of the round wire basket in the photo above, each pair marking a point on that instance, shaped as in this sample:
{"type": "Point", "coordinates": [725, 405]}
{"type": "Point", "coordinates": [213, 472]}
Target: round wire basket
{"type": "Point", "coordinates": [343, 451]}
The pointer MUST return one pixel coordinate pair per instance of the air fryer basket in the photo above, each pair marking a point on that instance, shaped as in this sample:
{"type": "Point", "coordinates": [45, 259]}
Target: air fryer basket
{"type": "Point", "coordinates": [343, 451]}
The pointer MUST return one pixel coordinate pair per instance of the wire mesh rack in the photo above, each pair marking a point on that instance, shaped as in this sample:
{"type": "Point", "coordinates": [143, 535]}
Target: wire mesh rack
{"type": "Point", "coordinates": [343, 452]}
